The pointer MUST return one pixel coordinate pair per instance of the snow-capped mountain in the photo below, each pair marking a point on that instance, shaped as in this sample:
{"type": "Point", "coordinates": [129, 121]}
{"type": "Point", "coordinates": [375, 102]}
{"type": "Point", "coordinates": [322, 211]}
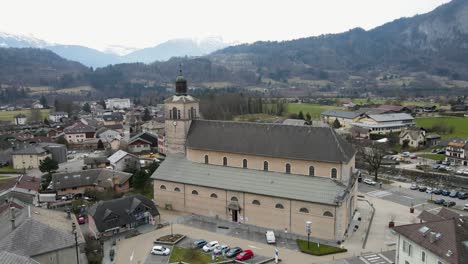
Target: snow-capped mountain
{"type": "Point", "coordinates": [116, 53]}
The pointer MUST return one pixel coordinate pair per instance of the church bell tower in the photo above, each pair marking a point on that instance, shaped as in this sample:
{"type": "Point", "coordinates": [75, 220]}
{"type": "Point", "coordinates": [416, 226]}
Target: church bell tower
{"type": "Point", "coordinates": [179, 111]}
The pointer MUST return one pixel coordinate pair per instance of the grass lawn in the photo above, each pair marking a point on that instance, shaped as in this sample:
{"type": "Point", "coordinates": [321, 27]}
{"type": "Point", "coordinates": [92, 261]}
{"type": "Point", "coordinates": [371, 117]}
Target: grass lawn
{"type": "Point", "coordinates": [4, 178]}
{"type": "Point", "coordinates": [316, 250]}
{"type": "Point", "coordinates": [9, 169]}
{"type": "Point", "coordinates": [460, 125]}
{"type": "Point", "coordinates": [9, 115]}
{"type": "Point", "coordinates": [433, 156]}
{"type": "Point", "coordinates": [191, 256]}
{"type": "Point", "coordinates": [263, 118]}
{"type": "Point", "coordinates": [313, 109]}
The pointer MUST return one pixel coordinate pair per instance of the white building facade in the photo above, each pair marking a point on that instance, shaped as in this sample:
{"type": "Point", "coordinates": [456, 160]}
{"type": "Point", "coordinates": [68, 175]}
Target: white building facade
{"type": "Point", "coordinates": [118, 103]}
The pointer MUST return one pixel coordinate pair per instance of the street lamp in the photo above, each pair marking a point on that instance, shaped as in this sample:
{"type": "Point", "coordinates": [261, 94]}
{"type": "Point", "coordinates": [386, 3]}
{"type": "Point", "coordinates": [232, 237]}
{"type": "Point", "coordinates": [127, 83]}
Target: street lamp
{"type": "Point", "coordinates": [75, 233]}
{"type": "Point", "coordinates": [308, 230]}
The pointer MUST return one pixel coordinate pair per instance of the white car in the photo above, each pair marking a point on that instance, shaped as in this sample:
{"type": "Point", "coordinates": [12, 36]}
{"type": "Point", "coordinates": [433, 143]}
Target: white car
{"type": "Point", "coordinates": [405, 154]}
{"type": "Point", "coordinates": [270, 237]}
{"type": "Point", "coordinates": [160, 250]}
{"type": "Point", "coordinates": [465, 171]}
{"type": "Point", "coordinates": [465, 207]}
{"type": "Point", "coordinates": [429, 190]}
{"type": "Point", "coordinates": [370, 182]}
{"type": "Point", "coordinates": [460, 171]}
{"type": "Point", "coordinates": [210, 246]}
{"type": "Point", "coordinates": [220, 249]}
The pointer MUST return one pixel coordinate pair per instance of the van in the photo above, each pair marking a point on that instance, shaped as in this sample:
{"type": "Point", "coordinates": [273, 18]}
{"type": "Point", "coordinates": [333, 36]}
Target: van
{"type": "Point", "coordinates": [270, 237]}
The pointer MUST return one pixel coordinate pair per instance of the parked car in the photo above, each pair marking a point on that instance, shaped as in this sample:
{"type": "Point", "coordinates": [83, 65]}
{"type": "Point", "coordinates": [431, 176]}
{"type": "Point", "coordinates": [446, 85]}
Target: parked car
{"type": "Point", "coordinates": [221, 249]}
{"type": "Point", "coordinates": [405, 154]}
{"type": "Point", "coordinates": [462, 195]}
{"type": "Point", "coordinates": [452, 163]}
{"type": "Point", "coordinates": [81, 220]}
{"type": "Point", "coordinates": [422, 188]}
{"type": "Point", "coordinates": [160, 250]}
{"type": "Point", "coordinates": [199, 243]}
{"type": "Point", "coordinates": [210, 246]}
{"type": "Point", "coordinates": [439, 201]}
{"type": "Point", "coordinates": [233, 252]}
{"type": "Point", "coordinates": [445, 192]}
{"type": "Point", "coordinates": [413, 156]}
{"type": "Point", "coordinates": [245, 255]}
{"type": "Point", "coordinates": [465, 171]}
{"type": "Point", "coordinates": [429, 190]}
{"type": "Point", "coordinates": [446, 163]}
{"type": "Point", "coordinates": [112, 254]}
{"type": "Point", "coordinates": [460, 171]}
{"type": "Point", "coordinates": [270, 237]}
{"type": "Point", "coordinates": [369, 182]}
{"type": "Point", "coordinates": [437, 191]}
{"type": "Point", "coordinates": [435, 166]}
{"type": "Point", "coordinates": [465, 207]}
{"type": "Point", "coordinates": [414, 186]}
{"type": "Point", "coordinates": [453, 194]}
{"type": "Point", "coordinates": [449, 203]}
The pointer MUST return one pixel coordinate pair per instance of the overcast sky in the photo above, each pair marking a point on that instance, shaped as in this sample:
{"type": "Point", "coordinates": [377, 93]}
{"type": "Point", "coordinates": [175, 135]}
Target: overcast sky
{"type": "Point", "coordinates": [143, 23]}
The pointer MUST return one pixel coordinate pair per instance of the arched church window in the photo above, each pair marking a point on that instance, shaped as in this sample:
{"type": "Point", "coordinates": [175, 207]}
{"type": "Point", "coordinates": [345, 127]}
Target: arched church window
{"type": "Point", "coordinates": [224, 161]}
{"type": "Point", "coordinates": [178, 114]}
{"type": "Point", "coordinates": [279, 206]}
{"type": "Point", "coordinates": [333, 173]}
{"type": "Point", "coordinates": [311, 171]}
{"type": "Point", "coordinates": [288, 168]}
{"type": "Point", "coordinates": [265, 165]}
{"type": "Point", "coordinates": [174, 113]}
{"type": "Point", "coordinates": [206, 159]}
{"type": "Point", "coordinates": [234, 199]}
{"type": "Point", "coordinates": [328, 213]}
{"type": "Point", "coordinates": [244, 163]}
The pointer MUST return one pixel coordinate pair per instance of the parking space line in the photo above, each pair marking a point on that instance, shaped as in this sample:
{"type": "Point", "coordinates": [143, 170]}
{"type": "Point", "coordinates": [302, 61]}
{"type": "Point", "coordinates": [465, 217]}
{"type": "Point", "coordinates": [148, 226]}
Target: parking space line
{"type": "Point", "coordinates": [419, 204]}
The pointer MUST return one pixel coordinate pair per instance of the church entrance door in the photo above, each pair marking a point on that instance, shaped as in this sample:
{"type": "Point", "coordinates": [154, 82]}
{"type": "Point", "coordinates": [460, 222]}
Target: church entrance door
{"type": "Point", "coordinates": [234, 215]}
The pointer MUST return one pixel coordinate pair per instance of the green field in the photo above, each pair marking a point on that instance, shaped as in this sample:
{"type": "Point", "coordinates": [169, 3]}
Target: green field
{"type": "Point", "coordinates": [318, 250]}
{"type": "Point", "coordinates": [191, 256]}
{"type": "Point", "coordinates": [9, 115]}
{"type": "Point", "coordinates": [433, 156]}
{"type": "Point", "coordinates": [313, 109]}
{"type": "Point", "coordinates": [460, 125]}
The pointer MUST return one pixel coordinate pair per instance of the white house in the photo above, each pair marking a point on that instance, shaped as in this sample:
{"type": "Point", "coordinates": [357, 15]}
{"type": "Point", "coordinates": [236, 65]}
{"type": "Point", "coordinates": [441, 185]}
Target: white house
{"type": "Point", "coordinates": [118, 103]}
{"type": "Point", "coordinates": [20, 119]}
{"type": "Point", "coordinates": [122, 160]}
{"type": "Point", "coordinates": [57, 116]}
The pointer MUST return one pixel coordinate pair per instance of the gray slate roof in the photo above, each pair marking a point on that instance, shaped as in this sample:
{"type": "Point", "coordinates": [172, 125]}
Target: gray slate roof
{"type": "Point", "coordinates": [176, 168]}
{"type": "Point", "coordinates": [30, 150]}
{"type": "Point", "coordinates": [100, 177]}
{"type": "Point", "coordinates": [11, 258]}
{"type": "Point", "coordinates": [270, 140]}
{"type": "Point", "coordinates": [341, 114]}
{"type": "Point", "coordinates": [34, 238]}
{"type": "Point", "coordinates": [123, 209]}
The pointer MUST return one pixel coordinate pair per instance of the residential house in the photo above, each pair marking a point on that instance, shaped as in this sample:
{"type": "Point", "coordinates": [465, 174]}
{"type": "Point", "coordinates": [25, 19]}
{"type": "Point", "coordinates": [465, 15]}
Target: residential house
{"type": "Point", "coordinates": [78, 182]}
{"type": "Point", "coordinates": [110, 138]}
{"type": "Point", "coordinates": [144, 141]}
{"type": "Point", "coordinates": [20, 119]}
{"type": "Point", "coordinates": [23, 188]}
{"type": "Point", "coordinates": [153, 126]}
{"type": "Point", "coordinates": [79, 132]}
{"type": "Point", "coordinates": [96, 162]}
{"type": "Point", "coordinates": [29, 157]}
{"type": "Point", "coordinates": [345, 118]}
{"type": "Point", "coordinates": [122, 160]}
{"type": "Point", "coordinates": [112, 119]}
{"type": "Point", "coordinates": [57, 116]}
{"type": "Point", "coordinates": [161, 143]}
{"type": "Point", "coordinates": [46, 236]}
{"type": "Point", "coordinates": [457, 151]}
{"type": "Point", "coordinates": [433, 140]}
{"type": "Point", "coordinates": [437, 241]}
{"type": "Point", "coordinates": [119, 215]}
{"type": "Point", "coordinates": [413, 138]}
{"type": "Point", "coordinates": [12, 258]}
{"type": "Point", "coordinates": [118, 103]}
{"type": "Point", "coordinates": [392, 109]}
{"type": "Point", "coordinates": [385, 124]}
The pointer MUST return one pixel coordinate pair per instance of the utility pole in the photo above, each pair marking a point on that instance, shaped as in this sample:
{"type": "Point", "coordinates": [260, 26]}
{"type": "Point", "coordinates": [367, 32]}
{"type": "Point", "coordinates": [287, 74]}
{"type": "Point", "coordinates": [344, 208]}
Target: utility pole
{"type": "Point", "coordinates": [308, 230]}
{"type": "Point", "coordinates": [75, 233]}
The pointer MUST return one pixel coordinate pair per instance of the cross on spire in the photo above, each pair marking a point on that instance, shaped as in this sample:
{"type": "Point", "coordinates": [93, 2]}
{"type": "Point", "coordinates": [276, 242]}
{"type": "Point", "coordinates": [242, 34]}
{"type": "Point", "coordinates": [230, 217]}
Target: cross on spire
{"type": "Point", "coordinates": [180, 68]}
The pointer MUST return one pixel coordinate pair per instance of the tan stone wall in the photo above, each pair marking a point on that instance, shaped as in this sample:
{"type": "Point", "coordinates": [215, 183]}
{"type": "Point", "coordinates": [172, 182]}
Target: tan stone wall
{"type": "Point", "coordinates": [264, 215]}
{"type": "Point", "coordinates": [30, 161]}
{"type": "Point", "coordinates": [275, 164]}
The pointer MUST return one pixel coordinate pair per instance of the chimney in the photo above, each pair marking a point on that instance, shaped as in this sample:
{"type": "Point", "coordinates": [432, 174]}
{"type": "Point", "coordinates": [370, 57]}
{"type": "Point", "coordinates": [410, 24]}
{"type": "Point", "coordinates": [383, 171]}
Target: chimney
{"type": "Point", "coordinates": [13, 218]}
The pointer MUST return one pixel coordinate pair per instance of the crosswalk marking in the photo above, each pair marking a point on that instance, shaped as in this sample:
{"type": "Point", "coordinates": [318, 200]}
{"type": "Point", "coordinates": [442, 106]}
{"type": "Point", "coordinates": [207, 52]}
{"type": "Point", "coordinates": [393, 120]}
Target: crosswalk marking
{"type": "Point", "coordinates": [379, 193]}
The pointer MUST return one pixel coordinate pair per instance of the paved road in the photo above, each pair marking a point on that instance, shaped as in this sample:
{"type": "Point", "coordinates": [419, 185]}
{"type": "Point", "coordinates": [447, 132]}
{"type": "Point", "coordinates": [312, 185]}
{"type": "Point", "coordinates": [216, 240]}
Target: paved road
{"type": "Point", "coordinates": [407, 197]}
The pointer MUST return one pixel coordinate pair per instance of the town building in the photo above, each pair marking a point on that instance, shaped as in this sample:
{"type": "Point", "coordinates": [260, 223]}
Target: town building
{"type": "Point", "coordinates": [79, 132]}
{"type": "Point", "coordinates": [118, 103]}
{"type": "Point", "coordinates": [29, 157]}
{"type": "Point", "coordinates": [144, 141]}
{"type": "Point", "coordinates": [107, 218]}
{"type": "Point", "coordinates": [437, 241]}
{"type": "Point", "coordinates": [23, 188]}
{"type": "Point", "coordinates": [46, 236]}
{"type": "Point", "coordinates": [122, 160]}
{"type": "Point", "coordinates": [385, 124]}
{"type": "Point", "coordinates": [96, 162]}
{"type": "Point", "coordinates": [345, 118]}
{"type": "Point", "coordinates": [393, 109]}
{"type": "Point", "coordinates": [457, 151]}
{"type": "Point", "coordinates": [57, 116]}
{"type": "Point", "coordinates": [153, 126]}
{"type": "Point", "coordinates": [20, 119]}
{"type": "Point", "coordinates": [78, 182]}
{"type": "Point", "coordinates": [268, 175]}
{"type": "Point", "coordinates": [413, 138]}
{"type": "Point", "coordinates": [112, 119]}
{"type": "Point", "coordinates": [161, 143]}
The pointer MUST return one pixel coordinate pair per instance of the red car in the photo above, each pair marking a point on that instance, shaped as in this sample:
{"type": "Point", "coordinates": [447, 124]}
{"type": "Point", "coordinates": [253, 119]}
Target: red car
{"type": "Point", "coordinates": [245, 255]}
{"type": "Point", "coordinates": [81, 220]}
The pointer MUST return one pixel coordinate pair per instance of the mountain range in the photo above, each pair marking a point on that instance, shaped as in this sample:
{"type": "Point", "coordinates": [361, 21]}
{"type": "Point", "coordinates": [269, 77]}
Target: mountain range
{"type": "Point", "coordinates": [118, 54]}
{"type": "Point", "coordinates": [423, 54]}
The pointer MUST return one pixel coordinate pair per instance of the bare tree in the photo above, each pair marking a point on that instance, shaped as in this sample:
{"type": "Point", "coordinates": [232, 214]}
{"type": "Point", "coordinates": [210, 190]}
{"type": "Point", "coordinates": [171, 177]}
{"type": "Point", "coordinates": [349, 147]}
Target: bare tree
{"type": "Point", "coordinates": [372, 155]}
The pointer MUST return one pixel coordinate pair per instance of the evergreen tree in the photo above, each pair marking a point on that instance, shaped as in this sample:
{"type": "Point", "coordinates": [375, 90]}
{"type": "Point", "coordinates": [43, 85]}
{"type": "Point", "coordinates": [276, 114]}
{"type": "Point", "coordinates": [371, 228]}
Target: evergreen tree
{"type": "Point", "coordinates": [146, 115]}
{"type": "Point", "coordinates": [43, 101]}
{"type": "Point", "coordinates": [48, 165]}
{"type": "Point", "coordinates": [86, 108]}
{"type": "Point", "coordinates": [308, 117]}
{"type": "Point", "coordinates": [300, 115]}
{"type": "Point", "coordinates": [100, 145]}
{"type": "Point", "coordinates": [46, 121]}
{"type": "Point", "coordinates": [336, 123]}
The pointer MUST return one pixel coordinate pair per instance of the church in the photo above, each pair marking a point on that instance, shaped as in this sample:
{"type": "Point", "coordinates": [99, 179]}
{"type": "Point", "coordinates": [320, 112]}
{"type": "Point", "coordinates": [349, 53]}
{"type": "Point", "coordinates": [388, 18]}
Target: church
{"type": "Point", "coordinates": [268, 175]}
